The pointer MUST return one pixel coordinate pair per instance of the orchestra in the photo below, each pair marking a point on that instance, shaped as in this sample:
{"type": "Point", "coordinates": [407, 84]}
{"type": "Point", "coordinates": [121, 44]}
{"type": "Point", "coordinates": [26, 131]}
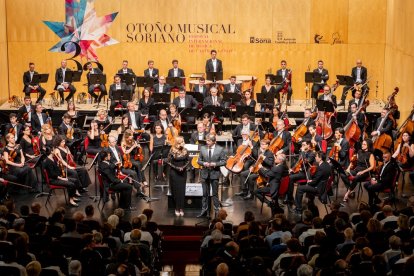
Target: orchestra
{"type": "Point", "coordinates": [265, 147]}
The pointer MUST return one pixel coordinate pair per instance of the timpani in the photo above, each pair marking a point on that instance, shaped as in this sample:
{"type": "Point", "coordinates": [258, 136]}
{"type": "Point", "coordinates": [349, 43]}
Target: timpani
{"type": "Point", "coordinates": [246, 81]}
{"type": "Point", "coordinates": [193, 83]}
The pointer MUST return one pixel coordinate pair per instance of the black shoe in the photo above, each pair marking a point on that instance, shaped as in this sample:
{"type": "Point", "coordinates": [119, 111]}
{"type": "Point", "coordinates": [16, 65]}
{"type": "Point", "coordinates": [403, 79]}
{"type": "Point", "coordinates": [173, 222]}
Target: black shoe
{"type": "Point", "coordinates": [243, 194]}
{"type": "Point", "coordinates": [341, 103]}
{"type": "Point", "coordinates": [83, 190]}
{"type": "Point", "coordinates": [62, 101]}
{"type": "Point", "coordinates": [377, 201]}
{"type": "Point", "coordinates": [73, 204]}
{"type": "Point", "coordinates": [248, 197]}
{"type": "Point", "coordinates": [202, 215]}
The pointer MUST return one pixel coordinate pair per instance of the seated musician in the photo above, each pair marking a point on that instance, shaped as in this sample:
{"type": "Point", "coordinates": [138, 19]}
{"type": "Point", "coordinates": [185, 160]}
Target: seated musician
{"type": "Point", "coordinates": [137, 121]}
{"type": "Point", "coordinates": [324, 78]}
{"type": "Point", "coordinates": [61, 84]}
{"type": "Point", "coordinates": [359, 75]}
{"type": "Point", "coordinates": [185, 101]}
{"type": "Point", "coordinates": [102, 118]}
{"type": "Point", "coordinates": [314, 137]}
{"type": "Point", "coordinates": [94, 137]}
{"type": "Point", "coordinates": [383, 181]}
{"type": "Point", "coordinates": [284, 72]}
{"type": "Point", "coordinates": [117, 86]}
{"type": "Point", "coordinates": [275, 116]}
{"type": "Point", "coordinates": [317, 184]}
{"type": "Point", "coordinates": [175, 72]}
{"type": "Point", "coordinates": [208, 123]}
{"type": "Point", "coordinates": [199, 135]}
{"type": "Point", "coordinates": [213, 99]}
{"type": "Point", "coordinates": [57, 177]}
{"type": "Point", "coordinates": [46, 137]}
{"type": "Point", "coordinates": [383, 125]}
{"type": "Point", "coordinates": [15, 161]}
{"type": "Point", "coordinates": [357, 99]}
{"type": "Point", "coordinates": [201, 87]}
{"type": "Point", "coordinates": [127, 71]}
{"type": "Point", "coordinates": [328, 96]}
{"type": "Point", "coordinates": [151, 71]}
{"type": "Point", "coordinates": [174, 116]}
{"type": "Point", "coordinates": [246, 126]}
{"type": "Point", "coordinates": [163, 119]}
{"type": "Point", "coordinates": [358, 118]}
{"type": "Point", "coordinates": [161, 86]}
{"type": "Point", "coordinates": [232, 87]}
{"type": "Point", "coordinates": [247, 178]}
{"type": "Point", "coordinates": [275, 175]}
{"type": "Point", "coordinates": [14, 127]}
{"type": "Point", "coordinates": [285, 135]}
{"type": "Point", "coordinates": [145, 103]}
{"type": "Point", "coordinates": [365, 163]}
{"type": "Point", "coordinates": [340, 148]}
{"type": "Point", "coordinates": [38, 118]}
{"type": "Point", "coordinates": [5, 175]}
{"type": "Point", "coordinates": [307, 121]}
{"type": "Point", "coordinates": [110, 180]}
{"type": "Point", "coordinates": [116, 158]}
{"type": "Point", "coordinates": [132, 148]}
{"type": "Point", "coordinates": [29, 86]}
{"type": "Point", "coordinates": [29, 146]}
{"type": "Point", "coordinates": [247, 99]}
{"type": "Point", "coordinates": [71, 110]}
{"type": "Point", "coordinates": [93, 86]}
{"type": "Point", "coordinates": [125, 125]}
{"type": "Point", "coordinates": [66, 128]}
{"type": "Point", "coordinates": [26, 111]}
{"type": "Point", "coordinates": [158, 140]}
{"type": "Point", "coordinates": [63, 154]}
{"type": "Point", "coordinates": [305, 161]}
{"type": "Point", "coordinates": [404, 153]}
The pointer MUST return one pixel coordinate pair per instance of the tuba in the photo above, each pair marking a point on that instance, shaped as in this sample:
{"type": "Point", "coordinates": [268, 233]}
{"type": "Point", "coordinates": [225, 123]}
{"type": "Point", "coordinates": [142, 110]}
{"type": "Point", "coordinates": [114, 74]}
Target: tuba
{"type": "Point", "coordinates": [81, 98]}
{"type": "Point", "coordinates": [53, 100]}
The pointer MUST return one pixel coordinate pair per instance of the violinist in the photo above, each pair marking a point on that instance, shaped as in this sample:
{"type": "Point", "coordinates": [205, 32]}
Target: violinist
{"type": "Point", "coordinates": [71, 110]}
{"type": "Point", "coordinates": [284, 72]}
{"type": "Point", "coordinates": [365, 163]}
{"type": "Point", "coordinates": [340, 148]}
{"type": "Point", "coordinates": [116, 158]}
{"type": "Point", "coordinates": [328, 96]}
{"type": "Point", "coordinates": [46, 137]}
{"type": "Point", "coordinates": [405, 152]}
{"type": "Point", "coordinates": [117, 86]}
{"type": "Point", "coordinates": [14, 126]}
{"type": "Point", "coordinates": [26, 111]}
{"type": "Point", "coordinates": [275, 175]}
{"type": "Point", "coordinates": [65, 157]}
{"type": "Point", "coordinates": [247, 99]}
{"type": "Point", "coordinates": [246, 126]}
{"type": "Point", "coordinates": [66, 128]}
{"type": "Point", "coordinates": [102, 118]}
{"type": "Point", "coordinates": [324, 78]}
{"type": "Point", "coordinates": [131, 149]}
{"type": "Point", "coordinates": [125, 125]}
{"type": "Point", "coordinates": [174, 117]}
{"type": "Point", "coordinates": [305, 161]}
{"type": "Point", "coordinates": [29, 146]}
{"type": "Point", "coordinates": [38, 118]}
{"type": "Point", "coordinates": [158, 140]}
{"type": "Point", "coordinates": [285, 135]}
{"type": "Point", "coordinates": [359, 75]}
{"type": "Point", "coordinates": [247, 178]}
{"type": "Point", "coordinates": [94, 137]}
{"type": "Point", "coordinates": [136, 120]}
{"type": "Point", "coordinates": [208, 124]}
{"type": "Point", "coordinates": [56, 178]}
{"type": "Point", "coordinates": [383, 125]}
{"type": "Point", "coordinates": [15, 160]}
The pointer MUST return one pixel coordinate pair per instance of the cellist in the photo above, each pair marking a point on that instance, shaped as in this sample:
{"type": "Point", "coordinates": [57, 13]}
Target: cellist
{"type": "Point", "coordinates": [340, 148]}
{"type": "Point", "coordinates": [359, 118]}
{"type": "Point", "coordinates": [245, 126]}
{"type": "Point", "coordinates": [285, 135]}
{"type": "Point", "coordinates": [307, 121]}
{"type": "Point", "coordinates": [247, 178]}
{"type": "Point", "coordinates": [383, 125]}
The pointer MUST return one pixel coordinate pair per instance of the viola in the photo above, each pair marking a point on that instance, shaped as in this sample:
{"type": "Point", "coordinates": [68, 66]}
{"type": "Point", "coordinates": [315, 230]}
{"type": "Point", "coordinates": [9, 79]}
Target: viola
{"type": "Point", "coordinates": [127, 161]}
{"type": "Point", "coordinates": [139, 155]}
{"type": "Point", "coordinates": [69, 133]}
{"type": "Point", "coordinates": [36, 148]}
{"type": "Point", "coordinates": [12, 131]}
{"type": "Point", "coordinates": [104, 140]}
{"type": "Point", "coordinates": [62, 169]}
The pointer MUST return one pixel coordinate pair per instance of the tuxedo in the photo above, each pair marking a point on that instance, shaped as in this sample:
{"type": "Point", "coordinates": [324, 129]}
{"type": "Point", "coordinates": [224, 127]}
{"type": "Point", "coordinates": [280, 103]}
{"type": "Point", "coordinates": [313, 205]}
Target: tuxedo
{"type": "Point", "coordinates": [59, 79]}
{"type": "Point", "coordinates": [386, 127]}
{"type": "Point", "coordinates": [210, 67]}
{"type": "Point", "coordinates": [180, 73]}
{"type": "Point", "coordinates": [287, 139]}
{"type": "Point", "coordinates": [155, 73]}
{"type": "Point", "coordinates": [190, 102]}
{"type": "Point", "coordinates": [112, 89]}
{"type": "Point", "coordinates": [27, 80]}
{"type": "Point", "coordinates": [385, 180]}
{"type": "Point", "coordinates": [128, 71]}
{"type": "Point", "coordinates": [275, 175]}
{"type": "Point", "coordinates": [196, 89]}
{"type": "Point", "coordinates": [166, 88]}
{"type": "Point", "coordinates": [36, 125]}
{"type": "Point", "coordinates": [237, 88]}
{"type": "Point", "coordinates": [354, 74]}
{"type": "Point", "coordinates": [209, 101]}
{"type": "Point", "coordinates": [318, 86]}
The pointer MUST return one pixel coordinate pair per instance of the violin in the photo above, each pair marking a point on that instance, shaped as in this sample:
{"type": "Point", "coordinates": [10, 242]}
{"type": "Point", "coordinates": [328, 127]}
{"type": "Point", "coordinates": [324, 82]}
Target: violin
{"type": "Point", "coordinates": [12, 131]}
{"type": "Point", "coordinates": [334, 153]}
{"type": "Point", "coordinates": [69, 133]}
{"type": "Point", "coordinates": [127, 161]}
{"type": "Point", "coordinates": [12, 155]}
{"type": "Point", "coordinates": [286, 85]}
{"type": "Point", "coordinates": [353, 161]}
{"type": "Point", "coordinates": [25, 116]}
{"type": "Point", "coordinates": [139, 154]}
{"type": "Point", "coordinates": [402, 158]}
{"type": "Point", "coordinates": [36, 148]}
{"type": "Point", "coordinates": [104, 136]}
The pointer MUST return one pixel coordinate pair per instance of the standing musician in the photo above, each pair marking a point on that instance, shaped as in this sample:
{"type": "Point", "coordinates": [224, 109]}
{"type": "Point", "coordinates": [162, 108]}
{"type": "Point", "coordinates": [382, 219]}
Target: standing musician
{"type": "Point", "coordinates": [38, 118]}
{"type": "Point", "coordinates": [405, 152]}
{"type": "Point", "coordinates": [247, 178]}
{"type": "Point", "coordinates": [65, 157]}
{"type": "Point", "coordinates": [127, 71]}
{"type": "Point", "coordinates": [157, 141]}
{"type": "Point", "coordinates": [365, 163]}
{"type": "Point", "coordinates": [201, 87]}
{"type": "Point", "coordinates": [232, 87]}
{"type": "Point", "coordinates": [275, 175]}
{"type": "Point", "coordinates": [284, 72]}
{"type": "Point", "coordinates": [116, 158]}
{"type": "Point", "coordinates": [133, 151]}
{"type": "Point", "coordinates": [246, 126]}
{"type": "Point", "coordinates": [286, 136]}
{"type": "Point", "coordinates": [359, 75]}
{"type": "Point", "coordinates": [268, 88]}
{"type": "Point", "coordinates": [386, 123]}
{"type": "Point", "coordinates": [46, 137]}
{"type": "Point", "coordinates": [61, 85]}
{"type": "Point", "coordinates": [324, 78]}
{"type": "Point", "coordinates": [247, 99]}
{"type": "Point", "coordinates": [317, 184]}
{"type": "Point", "coordinates": [14, 127]}
{"type": "Point", "coordinates": [29, 145]}
{"type": "Point", "coordinates": [117, 86]}
{"type": "Point", "coordinates": [356, 99]}
{"type": "Point", "coordinates": [92, 86]}
{"type": "Point", "coordinates": [305, 161]}
{"type": "Point", "coordinates": [340, 148]}
{"type": "Point", "coordinates": [15, 161]}
{"type": "Point", "coordinates": [66, 128]}
{"type": "Point", "coordinates": [176, 72]}
{"type": "Point", "coordinates": [57, 176]}
{"type": "Point", "coordinates": [211, 158]}
{"type": "Point", "coordinates": [213, 100]}
{"type": "Point", "coordinates": [161, 86]}
{"type": "Point", "coordinates": [151, 71]}
{"type": "Point", "coordinates": [29, 86]}
{"type": "Point", "coordinates": [108, 172]}
{"type": "Point", "coordinates": [214, 64]}
{"type": "Point", "coordinates": [26, 111]}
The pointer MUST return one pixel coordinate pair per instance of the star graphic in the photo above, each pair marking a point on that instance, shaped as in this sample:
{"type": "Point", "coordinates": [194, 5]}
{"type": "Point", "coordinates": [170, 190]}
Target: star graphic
{"type": "Point", "coordinates": [83, 27]}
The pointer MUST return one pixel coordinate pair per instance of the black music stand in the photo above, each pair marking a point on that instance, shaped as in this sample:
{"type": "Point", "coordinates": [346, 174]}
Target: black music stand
{"type": "Point", "coordinates": [160, 153]}
{"type": "Point", "coordinates": [231, 98]}
{"type": "Point", "coordinates": [39, 78]}
{"type": "Point", "coordinates": [127, 78]}
{"type": "Point", "coordinates": [266, 99]}
{"type": "Point", "coordinates": [161, 97]}
{"type": "Point", "coordinates": [97, 79]}
{"type": "Point", "coordinates": [144, 81]}
{"type": "Point", "coordinates": [73, 76]}
{"type": "Point", "coordinates": [345, 80]}
{"type": "Point", "coordinates": [212, 110]}
{"type": "Point", "coordinates": [35, 165]}
{"type": "Point", "coordinates": [325, 106]}
{"type": "Point", "coordinates": [274, 79]}
{"type": "Point", "coordinates": [196, 95]}
{"type": "Point", "coordinates": [241, 110]}
{"type": "Point", "coordinates": [174, 82]}
{"type": "Point", "coordinates": [188, 112]}
{"type": "Point", "coordinates": [214, 76]}
{"type": "Point", "coordinates": [155, 109]}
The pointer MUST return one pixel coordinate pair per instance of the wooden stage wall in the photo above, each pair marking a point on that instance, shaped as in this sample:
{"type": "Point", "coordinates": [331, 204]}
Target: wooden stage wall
{"type": "Point", "coordinates": [377, 31]}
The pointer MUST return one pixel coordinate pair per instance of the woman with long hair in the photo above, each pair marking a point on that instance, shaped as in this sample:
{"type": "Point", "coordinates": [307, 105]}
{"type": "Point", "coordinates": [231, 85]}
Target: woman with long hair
{"type": "Point", "coordinates": [131, 148]}
{"type": "Point", "coordinates": [157, 141]}
{"type": "Point", "coordinates": [46, 137]}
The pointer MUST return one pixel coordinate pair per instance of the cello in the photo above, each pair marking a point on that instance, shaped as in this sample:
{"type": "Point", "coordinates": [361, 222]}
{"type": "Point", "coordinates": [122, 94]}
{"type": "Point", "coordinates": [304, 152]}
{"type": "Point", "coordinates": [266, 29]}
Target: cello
{"type": "Point", "coordinates": [235, 163]}
{"type": "Point", "coordinates": [300, 131]}
{"type": "Point", "coordinates": [324, 118]}
{"type": "Point", "coordinates": [407, 126]}
{"type": "Point", "coordinates": [351, 129]}
{"type": "Point", "coordinates": [260, 180]}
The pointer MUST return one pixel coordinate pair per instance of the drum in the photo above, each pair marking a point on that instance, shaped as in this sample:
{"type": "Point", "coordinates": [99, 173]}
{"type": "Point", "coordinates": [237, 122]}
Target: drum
{"type": "Point", "coordinates": [246, 81]}
{"type": "Point", "coordinates": [222, 83]}
{"type": "Point", "coordinates": [193, 83]}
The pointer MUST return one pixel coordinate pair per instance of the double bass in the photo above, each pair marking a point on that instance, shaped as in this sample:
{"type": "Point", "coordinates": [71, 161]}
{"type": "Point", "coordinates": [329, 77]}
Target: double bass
{"type": "Point", "coordinates": [407, 126]}
{"type": "Point", "coordinates": [323, 121]}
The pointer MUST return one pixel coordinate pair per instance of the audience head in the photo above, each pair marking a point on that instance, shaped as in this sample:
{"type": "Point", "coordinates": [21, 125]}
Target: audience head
{"type": "Point", "coordinates": [89, 210]}
{"type": "Point", "coordinates": [222, 269]}
{"type": "Point", "coordinates": [135, 235]}
{"type": "Point", "coordinates": [113, 220]}
{"type": "Point", "coordinates": [33, 268]}
{"type": "Point", "coordinates": [148, 212]}
{"type": "Point", "coordinates": [36, 207]}
{"type": "Point", "coordinates": [349, 233]}
{"type": "Point", "coordinates": [394, 242]}
{"type": "Point", "coordinates": [216, 236]}
{"type": "Point", "coordinates": [305, 270]}
{"type": "Point", "coordinates": [387, 210]}
{"type": "Point", "coordinates": [143, 219]}
{"type": "Point", "coordinates": [293, 245]}
{"type": "Point", "coordinates": [136, 223]}
{"type": "Point", "coordinates": [75, 268]}
{"type": "Point", "coordinates": [249, 216]}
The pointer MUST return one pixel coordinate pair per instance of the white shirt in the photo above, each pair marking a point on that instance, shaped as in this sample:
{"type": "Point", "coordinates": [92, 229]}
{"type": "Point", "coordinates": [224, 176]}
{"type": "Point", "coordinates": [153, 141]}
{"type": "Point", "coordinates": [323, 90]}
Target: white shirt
{"type": "Point", "coordinates": [358, 76]}
{"type": "Point", "coordinates": [200, 89]}
{"type": "Point", "coordinates": [161, 87]}
{"type": "Point", "coordinates": [115, 154]}
{"type": "Point", "coordinates": [214, 61]}
{"type": "Point", "coordinates": [63, 74]}
{"type": "Point", "coordinates": [39, 115]}
{"type": "Point", "coordinates": [133, 121]}
{"type": "Point", "coordinates": [118, 86]}
{"type": "Point", "coordinates": [246, 128]}
{"type": "Point", "coordinates": [283, 73]}
{"type": "Point", "coordinates": [182, 102]}
{"type": "Point", "coordinates": [214, 99]}
{"type": "Point", "coordinates": [232, 87]}
{"type": "Point", "coordinates": [164, 124]}
{"type": "Point", "coordinates": [31, 75]}
{"type": "Point", "coordinates": [320, 72]}
{"type": "Point", "coordinates": [175, 72]}
{"type": "Point", "coordinates": [201, 136]}
{"type": "Point", "coordinates": [125, 71]}
{"type": "Point", "coordinates": [150, 72]}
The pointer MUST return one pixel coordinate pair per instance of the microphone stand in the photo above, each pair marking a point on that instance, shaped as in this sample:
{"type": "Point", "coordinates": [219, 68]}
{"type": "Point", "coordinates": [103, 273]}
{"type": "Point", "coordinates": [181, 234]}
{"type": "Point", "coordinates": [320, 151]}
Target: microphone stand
{"type": "Point", "coordinates": [149, 198]}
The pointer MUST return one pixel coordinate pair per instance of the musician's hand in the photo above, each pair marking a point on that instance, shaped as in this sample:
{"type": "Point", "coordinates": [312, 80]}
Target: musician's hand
{"type": "Point", "coordinates": [374, 133]}
{"type": "Point", "coordinates": [299, 139]}
{"type": "Point", "coordinates": [212, 164]}
{"type": "Point", "coordinates": [373, 181]}
{"type": "Point", "coordinates": [360, 173]}
{"type": "Point", "coordinates": [339, 148]}
{"type": "Point", "coordinates": [71, 168]}
{"type": "Point", "coordinates": [206, 164]}
{"type": "Point", "coordinates": [279, 152]}
{"type": "Point", "coordinates": [20, 165]}
{"type": "Point", "coordinates": [260, 166]}
{"type": "Point", "coordinates": [31, 87]}
{"type": "Point", "coordinates": [251, 169]}
{"type": "Point", "coordinates": [35, 87]}
{"type": "Point", "coordinates": [102, 132]}
{"type": "Point", "coordinates": [348, 171]}
{"type": "Point", "coordinates": [65, 85]}
{"type": "Point", "coordinates": [170, 125]}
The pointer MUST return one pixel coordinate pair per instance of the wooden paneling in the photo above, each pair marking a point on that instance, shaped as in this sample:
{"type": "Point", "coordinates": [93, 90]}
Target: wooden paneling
{"type": "Point", "coordinates": [4, 72]}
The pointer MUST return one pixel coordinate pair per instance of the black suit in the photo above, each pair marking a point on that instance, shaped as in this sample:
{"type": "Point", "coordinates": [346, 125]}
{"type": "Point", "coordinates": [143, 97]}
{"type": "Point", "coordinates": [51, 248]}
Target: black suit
{"type": "Point", "coordinates": [58, 86]}
{"type": "Point", "coordinates": [280, 86]}
{"type": "Point", "coordinates": [316, 186]}
{"type": "Point", "coordinates": [138, 119]}
{"type": "Point", "coordinates": [154, 75]}
{"type": "Point", "coordinates": [18, 130]}
{"type": "Point", "coordinates": [91, 86]}
{"type": "Point", "coordinates": [385, 180]}
{"type": "Point", "coordinates": [210, 176]}
{"type": "Point", "coordinates": [210, 67]}
{"type": "Point", "coordinates": [354, 74]}
{"type": "Point", "coordinates": [112, 89]}
{"type": "Point", "coordinates": [28, 81]}
{"type": "Point", "coordinates": [190, 102]}
{"type": "Point", "coordinates": [196, 89]}
{"type": "Point", "coordinates": [36, 125]}
{"type": "Point", "coordinates": [318, 86]}
{"type": "Point", "coordinates": [287, 140]}
{"type": "Point", "coordinates": [144, 107]}
{"type": "Point", "coordinates": [386, 127]}
{"type": "Point", "coordinates": [237, 88]}
{"type": "Point", "coordinates": [107, 171]}
{"type": "Point", "coordinates": [209, 101]}
{"type": "Point", "coordinates": [309, 158]}
{"type": "Point", "coordinates": [360, 120]}
{"type": "Point", "coordinates": [195, 137]}
{"type": "Point", "coordinates": [130, 72]}
{"type": "Point", "coordinates": [165, 89]}
{"type": "Point", "coordinates": [23, 109]}
{"type": "Point", "coordinates": [180, 73]}
{"type": "Point", "coordinates": [352, 101]}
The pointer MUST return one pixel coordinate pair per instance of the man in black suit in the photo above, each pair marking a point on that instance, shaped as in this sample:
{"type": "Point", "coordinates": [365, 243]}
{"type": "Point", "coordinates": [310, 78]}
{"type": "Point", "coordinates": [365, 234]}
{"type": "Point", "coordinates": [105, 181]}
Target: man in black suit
{"type": "Point", "coordinates": [359, 75]}
{"type": "Point", "coordinates": [357, 99]}
{"type": "Point", "coordinates": [214, 99]}
{"type": "Point", "coordinates": [61, 85]}
{"type": "Point", "coordinates": [201, 87]}
{"type": "Point", "coordinates": [232, 87]}
{"type": "Point", "coordinates": [358, 118]}
{"type": "Point", "coordinates": [286, 137]}
{"type": "Point", "coordinates": [384, 181]}
{"type": "Point", "coordinates": [317, 184]}
{"type": "Point", "coordinates": [127, 71]}
{"type": "Point", "coordinates": [324, 76]}
{"type": "Point", "coordinates": [199, 135]}
{"type": "Point", "coordinates": [107, 171]}
{"type": "Point", "coordinates": [29, 86]}
{"type": "Point", "coordinates": [38, 119]}
{"type": "Point", "coordinates": [284, 72]}
{"type": "Point", "coordinates": [26, 110]}
{"type": "Point", "coordinates": [176, 72]}
{"type": "Point", "coordinates": [186, 101]}
{"type": "Point", "coordinates": [246, 125]}
{"type": "Point", "coordinates": [92, 86]}
{"type": "Point", "coordinates": [328, 96]}
{"type": "Point", "coordinates": [161, 86]}
{"type": "Point", "coordinates": [14, 127]}
{"type": "Point", "coordinates": [211, 158]}
{"type": "Point", "coordinates": [342, 146]}
{"type": "Point", "coordinates": [64, 127]}
{"type": "Point", "coordinates": [213, 64]}
{"type": "Point", "coordinates": [117, 86]}
{"type": "Point", "coordinates": [382, 125]}
{"type": "Point", "coordinates": [151, 71]}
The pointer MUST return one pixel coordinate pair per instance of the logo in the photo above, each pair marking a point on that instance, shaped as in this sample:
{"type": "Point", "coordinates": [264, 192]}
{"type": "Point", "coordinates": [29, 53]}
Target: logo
{"type": "Point", "coordinates": [260, 40]}
{"type": "Point", "coordinates": [82, 30]}
{"type": "Point", "coordinates": [317, 38]}
{"type": "Point", "coordinates": [281, 39]}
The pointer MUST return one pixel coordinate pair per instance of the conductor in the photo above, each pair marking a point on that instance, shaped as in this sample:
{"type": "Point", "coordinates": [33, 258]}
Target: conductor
{"type": "Point", "coordinates": [211, 158]}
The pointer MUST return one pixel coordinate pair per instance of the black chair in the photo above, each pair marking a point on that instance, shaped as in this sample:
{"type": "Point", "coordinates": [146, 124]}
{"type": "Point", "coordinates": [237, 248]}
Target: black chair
{"type": "Point", "coordinates": [9, 271]}
{"type": "Point", "coordinates": [105, 252]}
{"type": "Point", "coordinates": [313, 250]}
{"type": "Point", "coordinates": [11, 237]}
{"type": "Point", "coordinates": [309, 240]}
{"type": "Point", "coordinates": [71, 246]}
{"type": "Point", "coordinates": [390, 225]}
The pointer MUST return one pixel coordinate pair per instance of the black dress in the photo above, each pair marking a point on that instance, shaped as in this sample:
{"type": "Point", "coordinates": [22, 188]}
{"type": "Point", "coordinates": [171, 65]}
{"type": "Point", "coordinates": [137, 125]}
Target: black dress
{"type": "Point", "coordinates": [53, 172]}
{"type": "Point", "coordinates": [178, 178]}
{"type": "Point", "coordinates": [80, 173]}
{"type": "Point", "coordinates": [25, 175]}
{"type": "Point", "coordinates": [145, 106]}
{"type": "Point", "coordinates": [157, 166]}
{"type": "Point", "coordinates": [43, 145]}
{"type": "Point", "coordinates": [94, 145]}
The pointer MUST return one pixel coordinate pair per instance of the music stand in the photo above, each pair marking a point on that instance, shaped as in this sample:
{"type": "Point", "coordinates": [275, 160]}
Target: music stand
{"type": "Point", "coordinates": [97, 79]}
{"type": "Point", "coordinates": [274, 79]}
{"type": "Point", "coordinates": [155, 108]}
{"type": "Point", "coordinates": [161, 97]}
{"type": "Point", "coordinates": [231, 98]}
{"type": "Point", "coordinates": [39, 78]}
{"type": "Point", "coordinates": [196, 95]}
{"type": "Point", "coordinates": [73, 76]}
{"type": "Point", "coordinates": [174, 82]}
{"type": "Point", "coordinates": [212, 110]}
{"type": "Point", "coordinates": [325, 106]}
{"type": "Point", "coordinates": [144, 81]}
{"type": "Point", "coordinates": [35, 165]}
{"type": "Point", "coordinates": [160, 153]}
{"type": "Point", "coordinates": [266, 99]}
{"type": "Point", "coordinates": [214, 76]}
{"type": "Point", "coordinates": [345, 80]}
{"type": "Point", "coordinates": [188, 112]}
{"type": "Point", "coordinates": [127, 78]}
{"type": "Point", "coordinates": [121, 96]}
{"type": "Point", "coordinates": [241, 110]}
